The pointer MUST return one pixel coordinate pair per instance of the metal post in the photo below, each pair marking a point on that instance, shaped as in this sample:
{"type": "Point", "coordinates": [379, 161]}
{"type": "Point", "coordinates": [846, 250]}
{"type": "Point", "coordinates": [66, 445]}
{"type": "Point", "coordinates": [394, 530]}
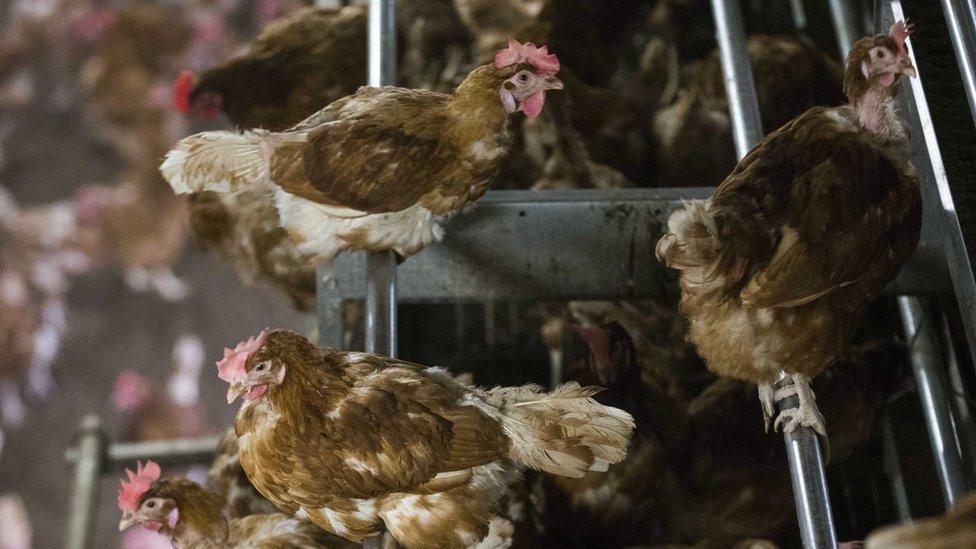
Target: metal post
{"type": "Point", "coordinates": [803, 448]}
{"type": "Point", "coordinates": [799, 15]}
{"type": "Point", "coordinates": [842, 15]}
{"type": "Point", "coordinates": [923, 351]}
{"type": "Point", "coordinates": [381, 266]}
{"type": "Point", "coordinates": [960, 17]}
{"type": "Point", "coordinates": [809, 479]}
{"type": "Point", "coordinates": [84, 491]}
{"type": "Point", "coordinates": [740, 88]}
{"type": "Point", "coordinates": [892, 467]}
{"type": "Point", "coordinates": [961, 410]}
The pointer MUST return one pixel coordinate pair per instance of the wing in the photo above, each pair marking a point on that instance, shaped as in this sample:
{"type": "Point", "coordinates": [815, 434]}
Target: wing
{"type": "Point", "coordinates": [380, 150]}
{"type": "Point", "coordinates": [804, 210]}
{"type": "Point", "coordinates": [399, 429]}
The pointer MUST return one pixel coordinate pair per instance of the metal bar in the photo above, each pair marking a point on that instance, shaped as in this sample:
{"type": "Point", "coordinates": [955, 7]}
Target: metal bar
{"type": "Point", "coordinates": [962, 411]}
{"type": "Point", "coordinates": [802, 446]}
{"type": "Point", "coordinates": [381, 267]}
{"type": "Point", "coordinates": [892, 466]}
{"type": "Point", "coordinates": [799, 15]}
{"type": "Point", "coordinates": [381, 290]}
{"type": "Point", "coordinates": [843, 16]}
{"type": "Point", "coordinates": [940, 222]}
{"type": "Point", "coordinates": [923, 351]}
{"type": "Point", "coordinates": [517, 245]}
{"type": "Point", "coordinates": [740, 89]}
{"type": "Point", "coordinates": [809, 478]}
{"type": "Point", "coordinates": [960, 17]}
{"type": "Point", "coordinates": [165, 452]}
{"type": "Point", "coordinates": [84, 491]}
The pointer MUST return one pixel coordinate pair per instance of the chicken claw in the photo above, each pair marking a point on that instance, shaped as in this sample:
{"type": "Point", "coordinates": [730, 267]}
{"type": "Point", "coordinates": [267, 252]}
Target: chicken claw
{"type": "Point", "coordinates": [806, 414]}
{"type": "Point", "coordinates": [768, 400]}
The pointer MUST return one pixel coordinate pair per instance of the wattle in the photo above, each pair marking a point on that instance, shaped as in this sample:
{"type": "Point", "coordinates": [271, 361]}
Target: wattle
{"type": "Point", "coordinates": [532, 107]}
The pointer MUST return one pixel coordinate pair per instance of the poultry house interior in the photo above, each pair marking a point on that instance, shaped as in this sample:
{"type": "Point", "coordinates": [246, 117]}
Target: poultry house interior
{"type": "Point", "coordinates": [596, 284]}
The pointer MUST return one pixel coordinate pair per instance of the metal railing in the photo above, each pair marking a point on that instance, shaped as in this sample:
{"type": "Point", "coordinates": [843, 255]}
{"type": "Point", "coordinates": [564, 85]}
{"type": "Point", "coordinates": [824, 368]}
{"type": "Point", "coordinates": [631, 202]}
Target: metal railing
{"type": "Point", "coordinates": [515, 245]}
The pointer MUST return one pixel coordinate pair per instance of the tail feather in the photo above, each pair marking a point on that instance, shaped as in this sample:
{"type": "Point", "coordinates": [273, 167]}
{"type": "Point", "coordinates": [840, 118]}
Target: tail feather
{"type": "Point", "coordinates": [692, 239]}
{"type": "Point", "coordinates": [216, 161]}
{"type": "Point", "coordinates": [565, 432]}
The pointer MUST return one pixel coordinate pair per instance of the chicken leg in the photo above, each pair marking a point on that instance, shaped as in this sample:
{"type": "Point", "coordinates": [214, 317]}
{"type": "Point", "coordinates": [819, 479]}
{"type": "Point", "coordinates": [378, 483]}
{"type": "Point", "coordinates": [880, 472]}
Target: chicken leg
{"type": "Point", "coordinates": [806, 414]}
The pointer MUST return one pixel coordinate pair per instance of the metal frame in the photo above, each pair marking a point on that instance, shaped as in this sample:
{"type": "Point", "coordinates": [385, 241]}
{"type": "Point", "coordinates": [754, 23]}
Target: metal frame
{"type": "Point", "coordinates": [525, 249]}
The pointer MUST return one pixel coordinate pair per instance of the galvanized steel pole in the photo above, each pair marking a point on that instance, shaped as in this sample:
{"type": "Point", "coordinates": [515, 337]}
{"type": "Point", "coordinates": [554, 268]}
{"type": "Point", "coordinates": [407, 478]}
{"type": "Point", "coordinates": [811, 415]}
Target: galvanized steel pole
{"type": "Point", "coordinates": [802, 446]}
{"type": "Point", "coordinates": [381, 266]}
{"type": "Point", "coordinates": [740, 87]}
{"type": "Point", "coordinates": [84, 490]}
{"type": "Point", "coordinates": [842, 15]}
{"type": "Point", "coordinates": [930, 378]}
{"type": "Point", "coordinates": [961, 19]}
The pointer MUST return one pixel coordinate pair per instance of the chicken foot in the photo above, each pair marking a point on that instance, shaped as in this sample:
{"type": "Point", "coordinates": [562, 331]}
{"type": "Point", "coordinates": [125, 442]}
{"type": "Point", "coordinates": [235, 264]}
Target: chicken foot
{"type": "Point", "coordinates": [806, 414]}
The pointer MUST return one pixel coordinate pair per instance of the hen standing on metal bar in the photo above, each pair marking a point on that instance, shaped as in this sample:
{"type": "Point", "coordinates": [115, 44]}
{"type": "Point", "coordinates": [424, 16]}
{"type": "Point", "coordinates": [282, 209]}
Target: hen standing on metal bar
{"type": "Point", "coordinates": [777, 267]}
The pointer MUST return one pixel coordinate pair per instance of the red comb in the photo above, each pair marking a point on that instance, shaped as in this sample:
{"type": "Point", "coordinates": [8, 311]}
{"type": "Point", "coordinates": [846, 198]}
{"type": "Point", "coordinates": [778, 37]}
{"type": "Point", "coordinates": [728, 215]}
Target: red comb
{"type": "Point", "coordinates": [231, 366]}
{"type": "Point", "coordinates": [181, 90]}
{"type": "Point", "coordinates": [539, 58]}
{"type": "Point", "coordinates": [137, 485]}
{"type": "Point", "coordinates": [900, 31]}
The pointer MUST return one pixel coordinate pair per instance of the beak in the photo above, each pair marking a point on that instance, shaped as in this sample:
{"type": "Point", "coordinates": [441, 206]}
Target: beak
{"type": "Point", "coordinates": [127, 521]}
{"type": "Point", "coordinates": [553, 83]}
{"type": "Point", "coordinates": [234, 391]}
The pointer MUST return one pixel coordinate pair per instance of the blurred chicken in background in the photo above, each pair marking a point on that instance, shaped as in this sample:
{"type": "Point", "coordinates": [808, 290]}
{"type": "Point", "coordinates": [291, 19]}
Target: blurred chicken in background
{"type": "Point", "coordinates": [40, 248]}
{"type": "Point", "coordinates": [695, 133]}
{"type": "Point", "coordinates": [15, 527]}
{"type": "Point", "coordinates": [172, 412]}
{"type": "Point", "coordinates": [161, 413]}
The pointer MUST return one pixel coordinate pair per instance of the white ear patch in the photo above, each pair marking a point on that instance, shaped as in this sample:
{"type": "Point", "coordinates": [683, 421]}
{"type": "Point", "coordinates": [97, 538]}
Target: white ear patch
{"type": "Point", "coordinates": [173, 517]}
{"type": "Point", "coordinates": [865, 68]}
{"type": "Point", "coordinates": [281, 375]}
{"type": "Point", "coordinates": [508, 101]}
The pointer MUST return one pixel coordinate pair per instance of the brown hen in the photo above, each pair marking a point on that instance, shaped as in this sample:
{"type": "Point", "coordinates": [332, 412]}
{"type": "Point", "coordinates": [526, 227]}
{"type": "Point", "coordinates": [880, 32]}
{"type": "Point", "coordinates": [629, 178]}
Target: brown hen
{"type": "Point", "coordinates": [380, 169]}
{"type": "Point", "coordinates": [778, 266]}
{"type": "Point", "coordinates": [192, 516]}
{"type": "Point", "coordinates": [350, 440]}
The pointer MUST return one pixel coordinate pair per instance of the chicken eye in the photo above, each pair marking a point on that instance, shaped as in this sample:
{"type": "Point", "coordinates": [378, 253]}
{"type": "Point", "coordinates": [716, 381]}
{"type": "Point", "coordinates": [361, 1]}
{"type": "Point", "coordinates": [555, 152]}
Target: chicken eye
{"type": "Point", "coordinates": [881, 54]}
{"type": "Point", "coordinates": [261, 367]}
{"type": "Point", "coordinates": [523, 77]}
{"type": "Point", "coordinates": [151, 504]}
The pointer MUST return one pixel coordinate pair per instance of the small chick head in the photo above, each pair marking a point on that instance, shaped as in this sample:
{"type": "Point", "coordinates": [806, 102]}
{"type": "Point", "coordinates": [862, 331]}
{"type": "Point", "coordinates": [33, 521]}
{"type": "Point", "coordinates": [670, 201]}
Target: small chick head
{"type": "Point", "coordinates": [525, 90]}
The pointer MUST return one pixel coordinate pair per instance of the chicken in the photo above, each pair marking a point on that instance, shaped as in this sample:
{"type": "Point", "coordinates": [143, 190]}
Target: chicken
{"type": "Point", "coordinates": [373, 440]}
{"type": "Point", "coordinates": [779, 264]}
{"type": "Point", "coordinates": [192, 516]}
{"type": "Point", "coordinates": [695, 134]}
{"type": "Point", "coordinates": [119, 82]}
{"type": "Point", "coordinates": [380, 169]}
{"type": "Point", "coordinates": [228, 479]}
{"type": "Point", "coordinates": [15, 527]}
{"type": "Point", "coordinates": [296, 66]}
{"type": "Point", "coordinates": [141, 228]}
{"type": "Point", "coordinates": [957, 528]}
{"type": "Point", "coordinates": [42, 246]}
{"type": "Point", "coordinates": [491, 22]}
{"type": "Point", "coordinates": [623, 506]}
{"type": "Point", "coordinates": [152, 414]}
{"type": "Point", "coordinates": [244, 228]}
